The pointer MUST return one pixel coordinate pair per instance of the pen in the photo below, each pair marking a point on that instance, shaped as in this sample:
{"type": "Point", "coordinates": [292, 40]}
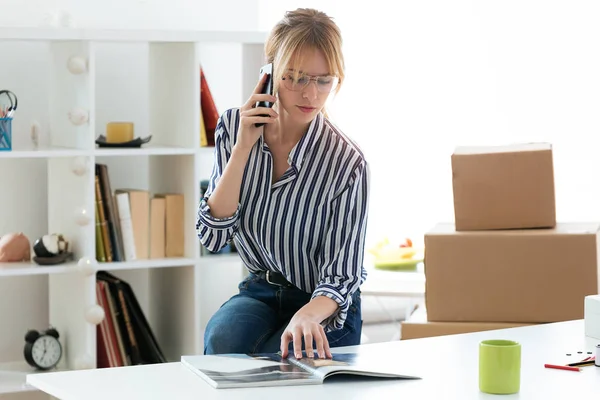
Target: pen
{"type": "Point", "coordinates": [583, 363]}
{"type": "Point", "coordinates": [565, 367]}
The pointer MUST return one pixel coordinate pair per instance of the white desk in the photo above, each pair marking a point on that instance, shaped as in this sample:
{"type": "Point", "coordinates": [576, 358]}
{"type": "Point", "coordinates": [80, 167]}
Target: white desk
{"type": "Point", "coordinates": [409, 284]}
{"type": "Point", "coordinates": [448, 366]}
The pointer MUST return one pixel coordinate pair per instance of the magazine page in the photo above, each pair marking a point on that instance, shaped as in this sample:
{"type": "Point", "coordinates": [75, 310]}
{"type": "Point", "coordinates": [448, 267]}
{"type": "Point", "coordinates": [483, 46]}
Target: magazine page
{"type": "Point", "coordinates": [360, 363]}
{"type": "Point", "coordinates": [244, 370]}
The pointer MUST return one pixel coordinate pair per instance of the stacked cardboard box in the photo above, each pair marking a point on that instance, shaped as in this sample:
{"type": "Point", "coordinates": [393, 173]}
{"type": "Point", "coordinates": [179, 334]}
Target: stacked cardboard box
{"type": "Point", "coordinates": [505, 258]}
{"type": "Point", "coordinates": [417, 326]}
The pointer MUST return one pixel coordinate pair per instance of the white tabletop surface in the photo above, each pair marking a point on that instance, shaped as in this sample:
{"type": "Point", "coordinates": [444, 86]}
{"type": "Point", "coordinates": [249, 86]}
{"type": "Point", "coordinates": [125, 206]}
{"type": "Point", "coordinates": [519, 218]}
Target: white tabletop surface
{"type": "Point", "coordinates": [448, 366]}
{"type": "Point", "coordinates": [410, 284]}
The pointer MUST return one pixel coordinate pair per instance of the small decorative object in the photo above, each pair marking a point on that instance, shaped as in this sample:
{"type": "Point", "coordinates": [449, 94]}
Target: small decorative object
{"type": "Point", "coordinates": [42, 350]}
{"type": "Point", "coordinates": [138, 142]}
{"type": "Point", "coordinates": [86, 266]}
{"type": "Point", "coordinates": [78, 116]}
{"type": "Point", "coordinates": [389, 255]}
{"type": "Point", "coordinates": [35, 134]}
{"type": "Point", "coordinates": [82, 217]}
{"type": "Point", "coordinates": [76, 65]}
{"type": "Point", "coordinates": [51, 249]}
{"type": "Point", "coordinates": [94, 314]}
{"type": "Point", "coordinates": [119, 132]}
{"type": "Point", "coordinates": [79, 165]}
{"type": "Point", "coordinates": [14, 247]}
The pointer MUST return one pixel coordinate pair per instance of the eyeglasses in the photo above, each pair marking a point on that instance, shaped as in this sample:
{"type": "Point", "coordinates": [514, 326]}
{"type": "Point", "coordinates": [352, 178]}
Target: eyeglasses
{"type": "Point", "coordinates": [325, 84]}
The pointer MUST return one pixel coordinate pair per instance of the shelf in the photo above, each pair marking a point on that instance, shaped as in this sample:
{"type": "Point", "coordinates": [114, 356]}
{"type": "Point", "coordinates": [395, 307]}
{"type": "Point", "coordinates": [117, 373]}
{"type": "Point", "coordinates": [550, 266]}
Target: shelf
{"type": "Point", "coordinates": [150, 263]}
{"type": "Point", "coordinates": [144, 151]}
{"type": "Point", "coordinates": [13, 377]}
{"type": "Point", "coordinates": [206, 150]}
{"type": "Point", "coordinates": [55, 183]}
{"type": "Point", "coordinates": [31, 268]}
{"type": "Point", "coordinates": [211, 260]}
{"type": "Point", "coordinates": [44, 152]}
{"type": "Point", "coordinates": [28, 268]}
{"type": "Point", "coordinates": [129, 35]}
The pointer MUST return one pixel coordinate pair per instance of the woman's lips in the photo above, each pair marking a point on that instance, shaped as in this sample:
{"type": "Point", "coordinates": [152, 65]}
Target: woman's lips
{"type": "Point", "coordinates": [306, 109]}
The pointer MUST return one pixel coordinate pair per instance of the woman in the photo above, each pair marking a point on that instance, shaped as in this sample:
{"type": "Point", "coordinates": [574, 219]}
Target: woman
{"type": "Point", "coordinates": [293, 195]}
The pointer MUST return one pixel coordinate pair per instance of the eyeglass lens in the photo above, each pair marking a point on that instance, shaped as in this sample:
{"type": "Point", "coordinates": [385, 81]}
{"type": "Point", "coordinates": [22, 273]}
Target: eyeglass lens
{"type": "Point", "coordinates": [324, 84]}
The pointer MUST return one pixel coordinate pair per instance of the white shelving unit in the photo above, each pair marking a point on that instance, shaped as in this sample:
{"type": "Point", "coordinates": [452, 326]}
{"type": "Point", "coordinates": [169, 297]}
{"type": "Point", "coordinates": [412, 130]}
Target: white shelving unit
{"type": "Point", "coordinates": [171, 291]}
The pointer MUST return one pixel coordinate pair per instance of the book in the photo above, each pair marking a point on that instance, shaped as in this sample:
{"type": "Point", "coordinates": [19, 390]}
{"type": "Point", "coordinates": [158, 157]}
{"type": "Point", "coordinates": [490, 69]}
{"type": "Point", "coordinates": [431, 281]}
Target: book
{"type": "Point", "coordinates": [139, 343]}
{"type": "Point", "coordinates": [208, 110]}
{"type": "Point", "coordinates": [270, 369]}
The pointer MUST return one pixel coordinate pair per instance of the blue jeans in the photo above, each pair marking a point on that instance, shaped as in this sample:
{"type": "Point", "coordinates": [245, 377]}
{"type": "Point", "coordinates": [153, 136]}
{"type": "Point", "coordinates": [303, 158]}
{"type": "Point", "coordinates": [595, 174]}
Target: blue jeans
{"type": "Point", "coordinates": [253, 320]}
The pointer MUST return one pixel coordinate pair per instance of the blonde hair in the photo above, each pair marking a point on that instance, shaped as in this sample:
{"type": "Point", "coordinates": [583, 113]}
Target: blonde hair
{"type": "Point", "coordinates": [296, 34]}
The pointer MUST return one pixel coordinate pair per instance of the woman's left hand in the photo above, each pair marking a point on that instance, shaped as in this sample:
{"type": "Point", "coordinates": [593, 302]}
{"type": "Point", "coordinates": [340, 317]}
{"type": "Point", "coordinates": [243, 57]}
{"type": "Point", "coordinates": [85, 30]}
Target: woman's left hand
{"type": "Point", "coordinates": [304, 325]}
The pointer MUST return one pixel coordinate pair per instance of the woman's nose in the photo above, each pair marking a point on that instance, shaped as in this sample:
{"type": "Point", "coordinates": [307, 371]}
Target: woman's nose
{"type": "Point", "coordinates": [311, 91]}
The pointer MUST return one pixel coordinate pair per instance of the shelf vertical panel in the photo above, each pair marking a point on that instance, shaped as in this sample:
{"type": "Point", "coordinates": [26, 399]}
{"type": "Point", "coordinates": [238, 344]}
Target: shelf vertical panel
{"type": "Point", "coordinates": [71, 95]}
{"type": "Point", "coordinates": [174, 100]}
{"type": "Point", "coordinates": [252, 59]}
{"type": "Point", "coordinates": [71, 295]}
{"type": "Point", "coordinates": [71, 201]}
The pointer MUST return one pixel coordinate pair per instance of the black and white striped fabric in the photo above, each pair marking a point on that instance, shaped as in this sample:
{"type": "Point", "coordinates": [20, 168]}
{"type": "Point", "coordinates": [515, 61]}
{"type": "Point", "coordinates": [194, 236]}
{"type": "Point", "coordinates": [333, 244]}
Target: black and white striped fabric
{"type": "Point", "coordinates": [309, 225]}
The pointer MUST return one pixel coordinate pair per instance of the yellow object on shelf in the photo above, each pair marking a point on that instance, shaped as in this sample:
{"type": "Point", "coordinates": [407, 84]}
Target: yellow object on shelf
{"type": "Point", "coordinates": [119, 132]}
{"type": "Point", "coordinates": [397, 265]}
{"type": "Point", "coordinates": [393, 257]}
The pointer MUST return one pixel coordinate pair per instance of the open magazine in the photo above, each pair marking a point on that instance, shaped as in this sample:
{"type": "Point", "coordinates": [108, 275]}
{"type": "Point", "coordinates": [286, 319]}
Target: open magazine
{"type": "Point", "coordinates": [253, 370]}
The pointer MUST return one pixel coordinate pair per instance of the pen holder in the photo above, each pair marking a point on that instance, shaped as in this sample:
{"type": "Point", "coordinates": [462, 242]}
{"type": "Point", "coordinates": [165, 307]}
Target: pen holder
{"type": "Point", "coordinates": [5, 134]}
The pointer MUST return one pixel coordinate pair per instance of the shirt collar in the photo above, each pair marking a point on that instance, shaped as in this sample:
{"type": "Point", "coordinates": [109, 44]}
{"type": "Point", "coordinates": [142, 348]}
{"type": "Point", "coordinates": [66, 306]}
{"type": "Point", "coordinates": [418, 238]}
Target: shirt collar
{"type": "Point", "coordinates": [306, 142]}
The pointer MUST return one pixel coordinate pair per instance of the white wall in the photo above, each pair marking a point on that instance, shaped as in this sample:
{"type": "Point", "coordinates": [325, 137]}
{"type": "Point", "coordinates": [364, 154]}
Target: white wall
{"type": "Point", "coordinates": [426, 76]}
{"type": "Point", "coordinates": [133, 14]}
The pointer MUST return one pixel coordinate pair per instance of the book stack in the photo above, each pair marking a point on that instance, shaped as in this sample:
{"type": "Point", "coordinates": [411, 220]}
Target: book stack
{"type": "Point", "coordinates": [133, 225]}
{"type": "Point", "coordinates": [124, 336]}
{"type": "Point", "coordinates": [505, 259]}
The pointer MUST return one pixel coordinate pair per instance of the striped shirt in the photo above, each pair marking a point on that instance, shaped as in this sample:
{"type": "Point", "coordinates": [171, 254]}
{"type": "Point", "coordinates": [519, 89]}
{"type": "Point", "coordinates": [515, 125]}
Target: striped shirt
{"type": "Point", "coordinates": [309, 225]}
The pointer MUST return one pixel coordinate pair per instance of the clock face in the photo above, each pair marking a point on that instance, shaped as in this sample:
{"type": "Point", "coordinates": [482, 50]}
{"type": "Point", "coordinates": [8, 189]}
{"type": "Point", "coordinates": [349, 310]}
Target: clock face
{"type": "Point", "coordinates": [46, 351]}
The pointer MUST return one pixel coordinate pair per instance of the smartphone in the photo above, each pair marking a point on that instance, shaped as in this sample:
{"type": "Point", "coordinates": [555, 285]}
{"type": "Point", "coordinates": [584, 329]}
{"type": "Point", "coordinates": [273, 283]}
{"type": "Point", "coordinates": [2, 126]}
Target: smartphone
{"type": "Point", "coordinates": [266, 89]}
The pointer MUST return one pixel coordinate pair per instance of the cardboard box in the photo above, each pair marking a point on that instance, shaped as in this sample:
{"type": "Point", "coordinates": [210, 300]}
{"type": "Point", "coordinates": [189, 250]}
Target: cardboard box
{"type": "Point", "coordinates": [529, 275]}
{"type": "Point", "coordinates": [503, 187]}
{"type": "Point", "coordinates": [417, 327]}
{"type": "Point", "coordinates": [592, 316]}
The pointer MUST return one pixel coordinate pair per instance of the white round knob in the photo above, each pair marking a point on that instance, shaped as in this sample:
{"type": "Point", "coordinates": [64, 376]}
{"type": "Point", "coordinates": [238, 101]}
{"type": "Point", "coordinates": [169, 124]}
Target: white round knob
{"type": "Point", "coordinates": [78, 116]}
{"type": "Point", "coordinates": [82, 217]}
{"type": "Point", "coordinates": [86, 266]}
{"type": "Point", "coordinates": [94, 314]}
{"type": "Point", "coordinates": [76, 65]}
{"type": "Point", "coordinates": [79, 165]}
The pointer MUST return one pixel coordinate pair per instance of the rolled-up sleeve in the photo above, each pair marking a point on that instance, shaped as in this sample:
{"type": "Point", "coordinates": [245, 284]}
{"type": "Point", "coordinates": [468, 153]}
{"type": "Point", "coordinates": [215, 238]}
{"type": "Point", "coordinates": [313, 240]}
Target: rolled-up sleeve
{"type": "Point", "coordinates": [215, 233]}
{"type": "Point", "coordinates": [342, 254]}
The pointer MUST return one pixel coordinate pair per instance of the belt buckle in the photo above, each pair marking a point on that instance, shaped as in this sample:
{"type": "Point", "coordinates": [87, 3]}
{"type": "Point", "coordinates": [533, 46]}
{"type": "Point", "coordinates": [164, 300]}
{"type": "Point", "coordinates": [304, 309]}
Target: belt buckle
{"type": "Point", "coordinates": [267, 276]}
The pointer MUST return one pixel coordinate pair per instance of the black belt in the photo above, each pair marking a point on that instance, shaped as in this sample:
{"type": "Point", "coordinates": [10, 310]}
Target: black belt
{"type": "Point", "coordinates": [274, 278]}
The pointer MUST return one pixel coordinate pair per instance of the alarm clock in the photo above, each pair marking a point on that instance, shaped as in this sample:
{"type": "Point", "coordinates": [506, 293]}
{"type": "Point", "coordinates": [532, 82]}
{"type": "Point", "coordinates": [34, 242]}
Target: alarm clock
{"type": "Point", "coordinates": [42, 350]}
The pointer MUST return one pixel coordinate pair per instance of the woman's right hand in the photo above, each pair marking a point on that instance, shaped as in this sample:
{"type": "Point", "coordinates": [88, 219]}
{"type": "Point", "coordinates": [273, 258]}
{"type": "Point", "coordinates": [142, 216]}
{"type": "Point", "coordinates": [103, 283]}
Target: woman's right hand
{"type": "Point", "coordinates": [248, 134]}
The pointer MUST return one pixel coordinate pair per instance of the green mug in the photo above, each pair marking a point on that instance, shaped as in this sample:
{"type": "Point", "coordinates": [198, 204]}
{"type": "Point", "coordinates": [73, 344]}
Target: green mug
{"type": "Point", "coordinates": [499, 366]}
